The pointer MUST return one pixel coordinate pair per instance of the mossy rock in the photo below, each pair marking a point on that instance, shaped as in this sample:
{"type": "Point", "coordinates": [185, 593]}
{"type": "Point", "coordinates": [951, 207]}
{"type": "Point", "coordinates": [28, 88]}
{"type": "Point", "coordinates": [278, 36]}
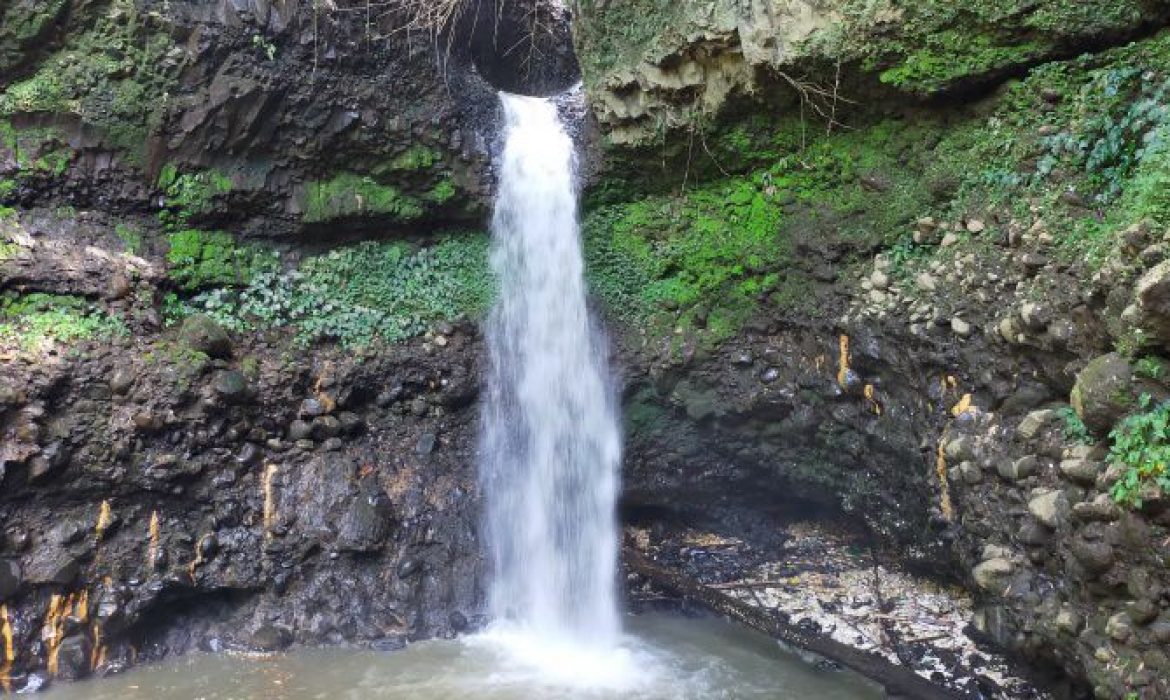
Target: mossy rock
{"type": "Point", "coordinates": [1104, 392]}
{"type": "Point", "coordinates": [202, 334]}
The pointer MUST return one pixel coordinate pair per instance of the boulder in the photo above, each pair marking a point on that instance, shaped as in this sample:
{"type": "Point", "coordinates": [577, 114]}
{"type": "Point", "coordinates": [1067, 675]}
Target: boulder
{"type": "Point", "coordinates": [990, 575]}
{"type": "Point", "coordinates": [365, 524]}
{"type": "Point", "coordinates": [73, 657]}
{"type": "Point", "coordinates": [200, 332]}
{"type": "Point", "coordinates": [1081, 471]}
{"type": "Point", "coordinates": [271, 637]}
{"type": "Point", "coordinates": [1021, 468]}
{"type": "Point", "coordinates": [1103, 392]}
{"type": "Point", "coordinates": [1050, 508]}
{"type": "Point", "coordinates": [1034, 422]}
{"type": "Point", "coordinates": [1152, 300]}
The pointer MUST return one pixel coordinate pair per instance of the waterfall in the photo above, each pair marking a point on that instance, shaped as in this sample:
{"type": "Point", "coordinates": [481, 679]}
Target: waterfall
{"type": "Point", "coordinates": [551, 442]}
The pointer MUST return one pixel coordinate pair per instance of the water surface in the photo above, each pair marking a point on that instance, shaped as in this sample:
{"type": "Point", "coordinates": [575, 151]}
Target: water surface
{"type": "Point", "coordinates": [662, 658]}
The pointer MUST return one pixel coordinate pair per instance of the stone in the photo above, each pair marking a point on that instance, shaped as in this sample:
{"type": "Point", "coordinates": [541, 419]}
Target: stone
{"type": "Point", "coordinates": [73, 657]}
{"type": "Point", "coordinates": [121, 381]}
{"type": "Point", "coordinates": [311, 408]}
{"type": "Point", "coordinates": [969, 472]}
{"type": "Point", "coordinates": [351, 423]}
{"type": "Point", "coordinates": [325, 427]}
{"type": "Point", "coordinates": [201, 333]}
{"type": "Point", "coordinates": [960, 327]}
{"type": "Point", "coordinates": [1152, 298]}
{"type": "Point", "coordinates": [427, 442]}
{"type": "Point", "coordinates": [1095, 556]}
{"type": "Point", "coordinates": [1034, 422]}
{"type": "Point", "coordinates": [1103, 392]}
{"type": "Point", "coordinates": [299, 430]}
{"type": "Point", "coordinates": [975, 226]}
{"type": "Point", "coordinates": [960, 449]}
{"type": "Point", "coordinates": [926, 282]}
{"type": "Point", "coordinates": [1100, 509]}
{"type": "Point", "coordinates": [879, 280]}
{"type": "Point", "coordinates": [949, 240]}
{"type": "Point", "coordinates": [1080, 471]}
{"type": "Point", "coordinates": [231, 385]}
{"type": "Point", "coordinates": [1068, 620]}
{"type": "Point", "coordinates": [271, 637]}
{"type": "Point", "coordinates": [990, 575]}
{"type": "Point", "coordinates": [1035, 317]}
{"type": "Point", "coordinates": [364, 525]}
{"type": "Point", "coordinates": [10, 578]}
{"type": "Point", "coordinates": [1118, 627]}
{"type": "Point", "coordinates": [1143, 611]}
{"type": "Point", "coordinates": [1021, 468]}
{"type": "Point", "coordinates": [1050, 508]}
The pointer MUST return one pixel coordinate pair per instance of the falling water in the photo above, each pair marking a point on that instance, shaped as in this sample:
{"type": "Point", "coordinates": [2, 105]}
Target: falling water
{"type": "Point", "coordinates": [551, 443]}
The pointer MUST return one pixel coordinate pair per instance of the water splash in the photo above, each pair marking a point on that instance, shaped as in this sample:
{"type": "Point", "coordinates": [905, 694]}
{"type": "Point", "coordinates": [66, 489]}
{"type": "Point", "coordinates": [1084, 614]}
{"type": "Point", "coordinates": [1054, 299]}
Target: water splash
{"type": "Point", "coordinates": [551, 443]}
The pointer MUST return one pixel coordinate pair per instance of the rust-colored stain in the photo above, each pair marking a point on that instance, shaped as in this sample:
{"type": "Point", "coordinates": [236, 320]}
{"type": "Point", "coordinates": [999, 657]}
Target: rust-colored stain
{"type": "Point", "coordinates": [819, 361]}
{"type": "Point", "coordinates": [940, 467]}
{"type": "Point", "coordinates": [843, 361]}
{"type": "Point", "coordinates": [871, 397]}
{"type": "Point", "coordinates": [198, 556]}
{"type": "Point", "coordinates": [9, 651]}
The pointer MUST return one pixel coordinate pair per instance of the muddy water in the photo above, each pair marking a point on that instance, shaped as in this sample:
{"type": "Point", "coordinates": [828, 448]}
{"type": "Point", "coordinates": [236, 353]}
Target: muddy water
{"type": "Point", "coordinates": [663, 658]}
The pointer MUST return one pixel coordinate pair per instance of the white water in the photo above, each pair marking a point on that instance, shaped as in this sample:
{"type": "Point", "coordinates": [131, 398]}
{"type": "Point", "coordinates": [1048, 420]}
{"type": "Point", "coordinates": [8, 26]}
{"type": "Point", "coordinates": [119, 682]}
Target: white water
{"type": "Point", "coordinates": [551, 442]}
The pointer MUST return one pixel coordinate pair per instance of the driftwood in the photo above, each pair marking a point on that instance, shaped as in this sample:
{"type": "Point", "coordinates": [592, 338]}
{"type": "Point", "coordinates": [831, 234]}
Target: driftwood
{"type": "Point", "coordinates": [897, 680]}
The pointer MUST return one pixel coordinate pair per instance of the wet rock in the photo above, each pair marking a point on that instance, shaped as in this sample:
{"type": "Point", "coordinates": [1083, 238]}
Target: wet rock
{"type": "Point", "coordinates": [249, 454]}
{"type": "Point", "coordinates": [1021, 468]}
{"type": "Point", "coordinates": [365, 524]}
{"type": "Point", "coordinates": [200, 332]}
{"type": "Point", "coordinates": [299, 430]}
{"type": "Point", "coordinates": [325, 427]}
{"type": "Point", "coordinates": [458, 621]}
{"type": "Point", "coordinates": [1142, 612]}
{"type": "Point", "coordinates": [231, 385]}
{"type": "Point", "coordinates": [960, 327]}
{"type": "Point", "coordinates": [73, 656]}
{"type": "Point", "coordinates": [52, 565]}
{"type": "Point", "coordinates": [351, 423]}
{"type": "Point", "coordinates": [10, 578]}
{"type": "Point", "coordinates": [311, 408]}
{"type": "Point", "coordinates": [1035, 317]}
{"type": "Point", "coordinates": [392, 643]}
{"type": "Point", "coordinates": [1068, 620]}
{"type": "Point", "coordinates": [272, 637]}
{"type": "Point", "coordinates": [1100, 509]}
{"type": "Point", "coordinates": [1103, 392]}
{"type": "Point", "coordinates": [427, 442]}
{"type": "Point", "coordinates": [1050, 508]}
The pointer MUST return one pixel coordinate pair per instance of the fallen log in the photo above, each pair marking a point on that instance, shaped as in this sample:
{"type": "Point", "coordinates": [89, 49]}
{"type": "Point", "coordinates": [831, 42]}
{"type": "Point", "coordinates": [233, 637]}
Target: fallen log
{"type": "Point", "coordinates": [897, 680]}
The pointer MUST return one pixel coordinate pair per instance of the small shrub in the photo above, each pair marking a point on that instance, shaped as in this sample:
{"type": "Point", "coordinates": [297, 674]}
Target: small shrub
{"type": "Point", "coordinates": [1073, 428]}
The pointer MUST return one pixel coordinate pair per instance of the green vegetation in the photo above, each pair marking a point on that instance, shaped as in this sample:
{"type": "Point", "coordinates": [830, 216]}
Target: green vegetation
{"type": "Point", "coordinates": [199, 259]}
{"type": "Point", "coordinates": [190, 194]}
{"type": "Point", "coordinates": [1142, 443]}
{"type": "Point", "coordinates": [130, 236]}
{"type": "Point", "coordinates": [416, 157]}
{"type": "Point", "coordinates": [358, 294]}
{"type": "Point", "coordinates": [32, 320]}
{"type": "Point", "coordinates": [1073, 428]}
{"type": "Point", "coordinates": [939, 43]}
{"type": "Point", "coordinates": [353, 195]}
{"type": "Point", "coordinates": [114, 77]}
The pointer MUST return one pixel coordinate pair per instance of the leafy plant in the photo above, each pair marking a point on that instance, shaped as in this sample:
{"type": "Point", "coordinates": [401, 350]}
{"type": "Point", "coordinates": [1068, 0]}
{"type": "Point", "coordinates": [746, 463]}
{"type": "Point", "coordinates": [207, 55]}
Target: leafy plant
{"type": "Point", "coordinates": [200, 259]}
{"type": "Point", "coordinates": [31, 320]}
{"type": "Point", "coordinates": [1073, 428]}
{"type": "Point", "coordinates": [1142, 444]}
{"type": "Point", "coordinates": [265, 46]}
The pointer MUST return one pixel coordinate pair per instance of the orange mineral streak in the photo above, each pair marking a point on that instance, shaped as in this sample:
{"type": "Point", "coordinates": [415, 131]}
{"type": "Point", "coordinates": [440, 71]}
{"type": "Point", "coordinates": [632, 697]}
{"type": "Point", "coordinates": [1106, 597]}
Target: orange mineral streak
{"type": "Point", "coordinates": [8, 652]}
{"type": "Point", "coordinates": [105, 518]}
{"type": "Point", "coordinates": [53, 630]}
{"type": "Point", "coordinates": [871, 397]}
{"type": "Point", "coordinates": [843, 361]}
{"type": "Point", "coordinates": [198, 556]}
{"type": "Point", "coordinates": [962, 407]}
{"type": "Point", "coordinates": [269, 498]}
{"type": "Point", "coordinates": [152, 546]}
{"type": "Point", "coordinates": [940, 467]}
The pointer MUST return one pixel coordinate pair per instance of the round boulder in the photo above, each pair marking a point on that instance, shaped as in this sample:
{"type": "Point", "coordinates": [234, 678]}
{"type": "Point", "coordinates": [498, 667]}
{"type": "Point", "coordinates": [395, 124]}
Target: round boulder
{"type": "Point", "coordinates": [1103, 392]}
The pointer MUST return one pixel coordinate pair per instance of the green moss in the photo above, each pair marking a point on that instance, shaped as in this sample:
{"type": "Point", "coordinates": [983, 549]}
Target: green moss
{"type": "Point", "coordinates": [349, 195]}
{"type": "Point", "coordinates": [23, 25]}
{"type": "Point", "coordinates": [31, 321]}
{"type": "Point", "coordinates": [113, 76]}
{"type": "Point", "coordinates": [416, 157]}
{"type": "Point", "coordinates": [199, 259]}
{"type": "Point", "coordinates": [953, 55]}
{"type": "Point", "coordinates": [189, 195]}
{"type": "Point", "coordinates": [619, 33]}
{"type": "Point", "coordinates": [443, 191]}
{"type": "Point", "coordinates": [130, 236]}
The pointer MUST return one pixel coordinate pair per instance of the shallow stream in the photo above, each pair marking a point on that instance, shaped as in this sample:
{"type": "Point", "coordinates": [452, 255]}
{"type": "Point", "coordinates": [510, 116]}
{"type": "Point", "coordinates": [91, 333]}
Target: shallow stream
{"type": "Point", "coordinates": [662, 658]}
